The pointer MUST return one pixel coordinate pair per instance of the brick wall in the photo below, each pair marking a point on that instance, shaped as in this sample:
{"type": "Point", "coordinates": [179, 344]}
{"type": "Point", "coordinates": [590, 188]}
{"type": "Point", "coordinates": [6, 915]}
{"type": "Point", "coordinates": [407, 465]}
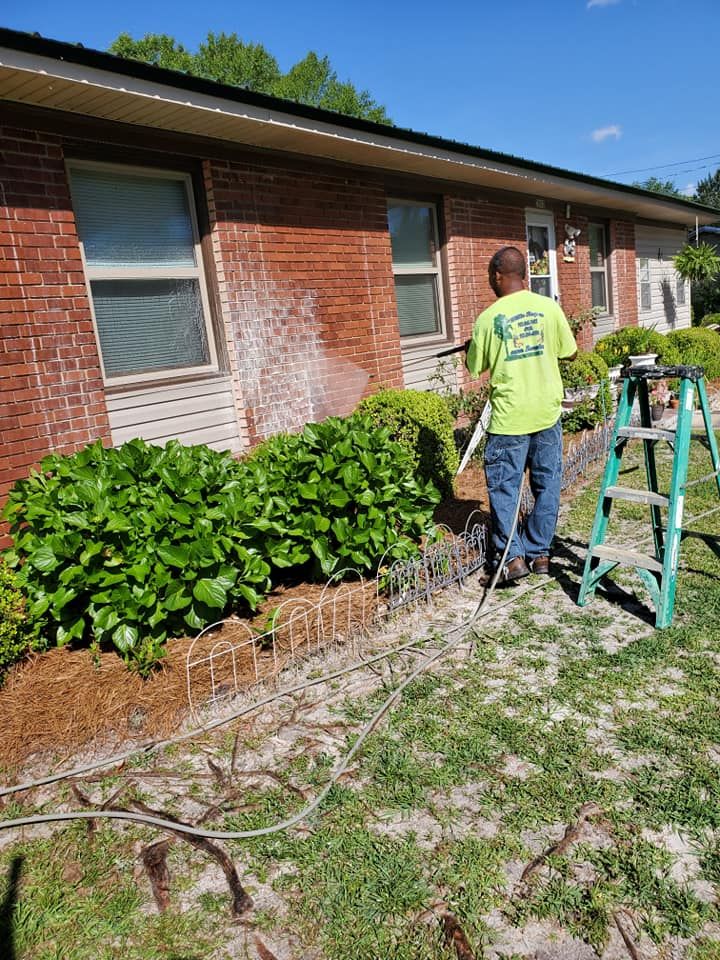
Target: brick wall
{"type": "Point", "coordinates": [51, 395]}
{"type": "Point", "coordinates": [305, 275]}
{"type": "Point", "coordinates": [475, 229]}
{"type": "Point", "coordinates": [624, 273]}
{"type": "Point", "coordinates": [574, 276]}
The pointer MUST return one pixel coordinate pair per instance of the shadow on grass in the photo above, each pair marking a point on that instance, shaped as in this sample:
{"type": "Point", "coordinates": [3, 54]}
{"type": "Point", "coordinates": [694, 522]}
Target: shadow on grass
{"type": "Point", "coordinates": [569, 560]}
{"type": "Point", "coordinates": [7, 909]}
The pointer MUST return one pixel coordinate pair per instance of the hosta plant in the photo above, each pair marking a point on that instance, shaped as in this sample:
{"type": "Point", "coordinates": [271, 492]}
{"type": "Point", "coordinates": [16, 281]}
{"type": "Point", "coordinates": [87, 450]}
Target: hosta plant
{"type": "Point", "coordinates": [132, 545]}
{"type": "Point", "coordinates": [340, 494]}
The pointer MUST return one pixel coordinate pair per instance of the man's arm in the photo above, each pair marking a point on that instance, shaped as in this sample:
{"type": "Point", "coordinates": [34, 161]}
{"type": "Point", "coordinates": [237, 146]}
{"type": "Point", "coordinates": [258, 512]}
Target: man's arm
{"type": "Point", "coordinates": [567, 348]}
{"type": "Point", "coordinates": [475, 354]}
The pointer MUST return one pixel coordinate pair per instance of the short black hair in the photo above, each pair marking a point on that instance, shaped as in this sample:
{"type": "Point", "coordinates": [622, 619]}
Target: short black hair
{"type": "Point", "coordinates": [509, 260]}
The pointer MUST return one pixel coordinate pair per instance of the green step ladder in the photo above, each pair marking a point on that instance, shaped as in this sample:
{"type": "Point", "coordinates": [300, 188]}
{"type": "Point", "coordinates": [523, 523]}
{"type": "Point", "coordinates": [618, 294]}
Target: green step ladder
{"type": "Point", "coordinates": [658, 571]}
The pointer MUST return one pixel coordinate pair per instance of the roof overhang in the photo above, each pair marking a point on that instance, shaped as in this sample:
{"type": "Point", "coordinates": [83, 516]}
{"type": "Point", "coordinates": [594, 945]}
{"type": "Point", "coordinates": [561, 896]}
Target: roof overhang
{"type": "Point", "coordinates": [131, 94]}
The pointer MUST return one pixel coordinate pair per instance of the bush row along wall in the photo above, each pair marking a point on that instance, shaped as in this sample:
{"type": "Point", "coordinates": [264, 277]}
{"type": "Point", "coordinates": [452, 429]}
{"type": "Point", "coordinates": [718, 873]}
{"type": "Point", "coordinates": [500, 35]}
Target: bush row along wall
{"type": "Point", "coordinates": [299, 266]}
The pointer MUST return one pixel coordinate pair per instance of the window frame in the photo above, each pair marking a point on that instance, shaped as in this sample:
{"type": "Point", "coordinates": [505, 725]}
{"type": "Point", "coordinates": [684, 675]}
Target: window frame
{"type": "Point", "coordinates": [537, 217]}
{"type": "Point", "coordinates": [604, 269]}
{"type": "Point", "coordinates": [644, 282]}
{"type": "Point", "coordinates": [408, 340]}
{"type": "Point", "coordinates": [197, 272]}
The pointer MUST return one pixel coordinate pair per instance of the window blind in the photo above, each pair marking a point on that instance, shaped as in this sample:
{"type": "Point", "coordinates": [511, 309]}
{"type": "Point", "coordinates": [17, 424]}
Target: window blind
{"type": "Point", "coordinates": [417, 304]}
{"type": "Point", "coordinates": [149, 325]}
{"type": "Point", "coordinates": [131, 220]}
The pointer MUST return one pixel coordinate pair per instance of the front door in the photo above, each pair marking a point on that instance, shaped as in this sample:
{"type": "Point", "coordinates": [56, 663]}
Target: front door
{"type": "Point", "coordinates": [542, 257]}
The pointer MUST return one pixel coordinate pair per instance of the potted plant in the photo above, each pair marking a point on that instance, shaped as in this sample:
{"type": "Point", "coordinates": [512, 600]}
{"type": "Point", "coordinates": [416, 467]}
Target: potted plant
{"type": "Point", "coordinates": [643, 354]}
{"type": "Point", "coordinates": [659, 396]}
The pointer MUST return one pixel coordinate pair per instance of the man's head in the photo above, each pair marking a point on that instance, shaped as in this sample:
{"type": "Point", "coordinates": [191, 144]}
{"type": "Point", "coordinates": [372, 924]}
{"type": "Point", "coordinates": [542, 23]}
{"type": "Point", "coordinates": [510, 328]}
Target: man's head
{"type": "Point", "coordinates": [506, 271]}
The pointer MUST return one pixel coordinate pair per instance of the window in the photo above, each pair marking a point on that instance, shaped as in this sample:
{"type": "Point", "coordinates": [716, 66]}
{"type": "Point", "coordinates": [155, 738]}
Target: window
{"type": "Point", "coordinates": [680, 291]}
{"type": "Point", "coordinates": [541, 253]}
{"type": "Point", "coordinates": [416, 268]}
{"type": "Point", "coordinates": [644, 283]}
{"type": "Point", "coordinates": [142, 260]}
{"type": "Point", "coordinates": [600, 288]}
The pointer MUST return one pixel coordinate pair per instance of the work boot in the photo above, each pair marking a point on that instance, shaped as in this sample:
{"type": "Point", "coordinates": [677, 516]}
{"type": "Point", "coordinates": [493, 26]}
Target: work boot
{"type": "Point", "coordinates": [514, 569]}
{"type": "Point", "coordinates": [540, 565]}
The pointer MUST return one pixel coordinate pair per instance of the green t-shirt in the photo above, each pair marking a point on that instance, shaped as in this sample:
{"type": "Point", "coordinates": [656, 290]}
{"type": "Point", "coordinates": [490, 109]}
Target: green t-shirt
{"type": "Point", "coordinates": [519, 339]}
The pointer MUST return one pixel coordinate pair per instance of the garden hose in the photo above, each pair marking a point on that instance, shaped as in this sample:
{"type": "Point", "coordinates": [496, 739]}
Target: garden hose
{"type": "Point", "coordinates": [147, 820]}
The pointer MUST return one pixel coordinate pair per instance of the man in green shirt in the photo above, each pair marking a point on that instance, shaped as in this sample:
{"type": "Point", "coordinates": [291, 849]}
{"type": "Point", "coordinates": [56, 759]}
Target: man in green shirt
{"type": "Point", "coordinates": [520, 340]}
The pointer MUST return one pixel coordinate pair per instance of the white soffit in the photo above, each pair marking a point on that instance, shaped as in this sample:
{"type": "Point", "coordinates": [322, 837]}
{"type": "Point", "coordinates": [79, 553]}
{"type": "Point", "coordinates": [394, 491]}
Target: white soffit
{"type": "Point", "coordinates": [60, 85]}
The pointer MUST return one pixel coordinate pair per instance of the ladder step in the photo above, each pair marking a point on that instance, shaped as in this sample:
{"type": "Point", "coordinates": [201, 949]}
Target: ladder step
{"type": "Point", "coordinates": [647, 433]}
{"type": "Point", "coordinates": [627, 558]}
{"type": "Point", "coordinates": [637, 496]}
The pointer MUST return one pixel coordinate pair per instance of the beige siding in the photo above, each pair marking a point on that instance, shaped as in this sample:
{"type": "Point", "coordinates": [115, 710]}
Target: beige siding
{"type": "Point", "coordinates": [660, 245]}
{"type": "Point", "coordinates": [419, 365]}
{"type": "Point", "coordinates": [195, 412]}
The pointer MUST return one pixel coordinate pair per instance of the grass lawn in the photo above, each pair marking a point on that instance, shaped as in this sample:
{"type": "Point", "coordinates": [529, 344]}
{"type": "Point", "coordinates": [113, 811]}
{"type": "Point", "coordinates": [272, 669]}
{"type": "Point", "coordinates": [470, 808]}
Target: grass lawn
{"type": "Point", "coordinates": [550, 791]}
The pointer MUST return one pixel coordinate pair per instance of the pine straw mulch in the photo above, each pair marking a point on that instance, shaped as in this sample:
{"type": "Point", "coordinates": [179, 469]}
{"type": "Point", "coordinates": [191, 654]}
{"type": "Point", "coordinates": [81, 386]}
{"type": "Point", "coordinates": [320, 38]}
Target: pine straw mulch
{"type": "Point", "coordinates": [57, 702]}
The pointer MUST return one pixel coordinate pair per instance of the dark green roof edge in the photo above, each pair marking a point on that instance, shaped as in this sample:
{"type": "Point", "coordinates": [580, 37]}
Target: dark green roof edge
{"type": "Point", "coordinates": [100, 60]}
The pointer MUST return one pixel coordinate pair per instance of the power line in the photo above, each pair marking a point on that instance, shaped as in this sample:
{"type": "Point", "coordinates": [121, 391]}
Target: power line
{"type": "Point", "coordinates": [662, 166]}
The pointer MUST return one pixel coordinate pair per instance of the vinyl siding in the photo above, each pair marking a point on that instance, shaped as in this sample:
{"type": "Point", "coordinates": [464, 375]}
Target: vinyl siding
{"type": "Point", "coordinates": [195, 412]}
{"type": "Point", "coordinates": [660, 245]}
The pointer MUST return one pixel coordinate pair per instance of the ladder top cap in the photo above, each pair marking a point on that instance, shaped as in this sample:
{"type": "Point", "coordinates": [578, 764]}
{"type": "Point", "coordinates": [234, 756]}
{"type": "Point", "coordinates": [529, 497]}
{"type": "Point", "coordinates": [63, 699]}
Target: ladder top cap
{"type": "Point", "coordinates": [656, 372]}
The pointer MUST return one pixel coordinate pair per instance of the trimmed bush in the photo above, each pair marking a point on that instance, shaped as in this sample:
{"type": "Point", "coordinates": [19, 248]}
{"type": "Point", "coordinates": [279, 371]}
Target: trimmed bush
{"type": "Point", "coordinates": [711, 318]}
{"type": "Point", "coordinates": [340, 494]}
{"type": "Point", "coordinates": [698, 346]}
{"type": "Point", "coordinates": [586, 370]}
{"type": "Point", "coordinates": [422, 424]}
{"type": "Point", "coordinates": [15, 631]}
{"type": "Point", "coordinates": [616, 347]}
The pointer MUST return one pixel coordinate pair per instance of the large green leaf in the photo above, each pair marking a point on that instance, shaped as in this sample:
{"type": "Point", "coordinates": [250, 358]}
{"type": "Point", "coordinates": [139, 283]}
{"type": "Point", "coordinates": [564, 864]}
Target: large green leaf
{"type": "Point", "coordinates": [211, 592]}
{"type": "Point", "coordinates": [43, 559]}
{"type": "Point", "coordinates": [174, 556]}
{"type": "Point", "coordinates": [125, 637]}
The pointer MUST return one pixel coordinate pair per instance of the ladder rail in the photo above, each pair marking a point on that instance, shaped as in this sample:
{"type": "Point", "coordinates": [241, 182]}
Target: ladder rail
{"type": "Point", "coordinates": [658, 572]}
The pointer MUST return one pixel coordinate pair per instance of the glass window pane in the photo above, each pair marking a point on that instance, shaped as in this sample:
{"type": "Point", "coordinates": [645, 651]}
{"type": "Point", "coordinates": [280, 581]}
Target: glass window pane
{"type": "Point", "coordinates": [644, 269]}
{"type": "Point", "coordinates": [417, 304]}
{"type": "Point", "coordinates": [538, 239]}
{"type": "Point", "coordinates": [540, 285]}
{"type": "Point", "coordinates": [599, 291]}
{"type": "Point", "coordinates": [411, 235]}
{"type": "Point", "coordinates": [128, 220]}
{"type": "Point", "coordinates": [149, 325]}
{"type": "Point", "coordinates": [596, 239]}
{"type": "Point", "coordinates": [680, 292]}
{"type": "Point", "coordinates": [645, 296]}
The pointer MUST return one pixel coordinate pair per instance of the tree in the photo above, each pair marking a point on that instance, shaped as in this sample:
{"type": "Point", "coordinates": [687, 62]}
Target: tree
{"type": "Point", "coordinates": [659, 186]}
{"type": "Point", "coordinates": [708, 190]}
{"type": "Point", "coordinates": [227, 58]}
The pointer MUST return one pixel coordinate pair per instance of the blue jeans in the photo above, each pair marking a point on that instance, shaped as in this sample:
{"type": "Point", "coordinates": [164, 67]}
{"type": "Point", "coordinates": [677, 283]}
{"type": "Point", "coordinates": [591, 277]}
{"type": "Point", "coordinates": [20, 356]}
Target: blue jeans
{"type": "Point", "coordinates": [506, 458]}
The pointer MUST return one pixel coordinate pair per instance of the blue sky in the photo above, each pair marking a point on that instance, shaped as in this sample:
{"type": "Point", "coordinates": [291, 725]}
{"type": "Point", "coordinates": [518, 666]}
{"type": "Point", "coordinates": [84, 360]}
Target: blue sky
{"type": "Point", "coordinates": [598, 86]}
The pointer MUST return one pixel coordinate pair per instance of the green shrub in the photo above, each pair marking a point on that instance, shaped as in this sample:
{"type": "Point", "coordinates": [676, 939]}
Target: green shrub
{"type": "Point", "coordinates": [131, 545]}
{"type": "Point", "coordinates": [616, 347]}
{"type": "Point", "coordinates": [15, 632]}
{"type": "Point", "coordinates": [586, 370]}
{"type": "Point", "coordinates": [338, 495]}
{"type": "Point", "coordinates": [711, 318]}
{"type": "Point", "coordinates": [698, 346]}
{"type": "Point", "coordinates": [422, 424]}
